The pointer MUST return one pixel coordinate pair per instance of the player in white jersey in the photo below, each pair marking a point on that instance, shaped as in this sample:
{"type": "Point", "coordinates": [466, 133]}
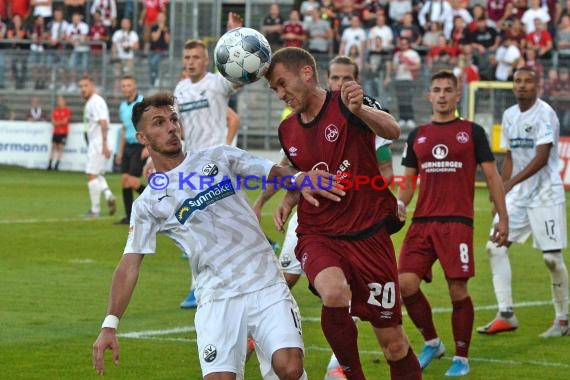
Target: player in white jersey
{"type": "Point", "coordinates": [535, 201]}
{"type": "Point", "coordinates": [197, 201]}
{"type": "Point", "coordinates": [341, 69]}
{"type": "Point", "coordinates": [96, 117]}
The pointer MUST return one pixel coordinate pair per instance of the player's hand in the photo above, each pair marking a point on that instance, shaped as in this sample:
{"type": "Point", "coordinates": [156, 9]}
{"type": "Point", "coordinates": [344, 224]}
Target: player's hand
{"type": "Point", "coordinates": [319, 183]}
{"type": "Point", "coordinates": [106, 151]}
{"type": "Point", "coordinates": [282, 212]}
{"type": "Point", "coordinates": [500, 234]}
{"type": "Point", "coordinates": [234, 21]}
{"type": "Point", "coordinates": [401, 210]}
{"type": "Point", "coordinates": [118, 159]}
{"type": "Point", "coordinates": [508, 186]}
{"type": "Point", "coordinates": [107, 339]}
{"type": "Point", "coordinates": [257, 210]}
{"type": "Point", "coordinates": [144, 154]}
{"type": "Point", "coordinates": [352, 95]}
{"type": "Point", "coordinates": [148, 169]}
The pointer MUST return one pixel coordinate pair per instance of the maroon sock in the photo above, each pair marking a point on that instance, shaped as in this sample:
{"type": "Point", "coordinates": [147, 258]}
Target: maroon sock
{"type": "Point", "coordinates": [342, 335]}
{"type": "Point", "coordinates": [407, 368]}
{"type": "Point", "coordinates": [419, 311]}
{"type": "Point", "coordinates": [462, 325]}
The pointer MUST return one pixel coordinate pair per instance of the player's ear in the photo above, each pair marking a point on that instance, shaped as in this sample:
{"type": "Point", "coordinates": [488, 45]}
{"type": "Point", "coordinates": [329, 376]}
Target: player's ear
{"type": "Point", "coordinates": [141, 138]}
{"type": "Point", "coordinates": [307, 72]}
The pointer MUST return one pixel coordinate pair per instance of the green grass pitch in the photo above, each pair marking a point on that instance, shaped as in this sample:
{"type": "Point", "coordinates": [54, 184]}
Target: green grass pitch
{"type": "Point", "coordinates": [56, 267]}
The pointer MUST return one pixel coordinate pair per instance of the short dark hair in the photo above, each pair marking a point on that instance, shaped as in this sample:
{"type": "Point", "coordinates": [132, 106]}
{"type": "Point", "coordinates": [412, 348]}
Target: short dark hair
{"type": "Point", "coordinates": [343, 60]}
{"type": "Point", "coordinates": [87, 77]}
{"type": "Point", "coordinates": [128, 77]}
{"type": "Point", "coordinates": [292, 58]}
{"type": "Point", "coordinates": [160, 99]}
{"type": "Point", "coordinates": [445, 74]}
{"type": "Point", "coordinates": [192, 44]}
{"type": "Point", "coordinates": [529, 70]}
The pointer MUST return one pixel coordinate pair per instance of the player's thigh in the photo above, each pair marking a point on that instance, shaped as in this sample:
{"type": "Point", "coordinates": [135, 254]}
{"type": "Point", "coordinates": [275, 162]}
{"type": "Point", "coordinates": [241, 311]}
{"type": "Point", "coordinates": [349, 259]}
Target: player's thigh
{"type": "Point", "coordinates": [519, 224]}
{"type": "Point", "coordinates": [274, 320]}
{"type": "Point", "coordinates": [453, 245]}
{"type": "Point", "coordinates": [95, 162]}
{"type": "Point", "coordinates": [287, 259]}
{"type": "Point", "coordinates": [221, 329]}
{"type": "Point", "coordinates": [417, 255]}
{"type": "Point", "coordinates": [549, 229]}
{"type": "Point", "coordinates": [132, 164]}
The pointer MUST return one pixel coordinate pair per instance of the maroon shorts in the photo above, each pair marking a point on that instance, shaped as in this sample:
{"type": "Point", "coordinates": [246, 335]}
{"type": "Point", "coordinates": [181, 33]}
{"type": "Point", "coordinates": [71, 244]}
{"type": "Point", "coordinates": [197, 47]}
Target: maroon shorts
{"type": "Point", "coordinates": [449, 242]}
{"type": "Point", "coordinates": [369, 266]}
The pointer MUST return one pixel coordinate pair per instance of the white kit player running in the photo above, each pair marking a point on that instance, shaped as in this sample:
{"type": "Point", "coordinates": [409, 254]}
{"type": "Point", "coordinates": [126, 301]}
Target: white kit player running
{"type": "Point", "coordinates": [239, 287]}
{"type": "Point", "coordinates": [96, 116]}
{"type": "Point", "coordinates": [202, 101]}
{"type": "Point", "coordinates": [535, 201]}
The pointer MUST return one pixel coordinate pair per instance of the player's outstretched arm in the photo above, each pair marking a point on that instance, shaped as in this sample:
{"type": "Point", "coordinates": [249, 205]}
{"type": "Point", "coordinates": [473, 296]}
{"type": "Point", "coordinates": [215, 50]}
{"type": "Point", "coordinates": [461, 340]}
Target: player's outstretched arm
{"type": "Point", "coordinates": [318, 183]}
{"type": "Point", "coordinates": [497, 192]}
{"type": "Point", "coordinates": [380, 122]}
{"type": "Point", "coordinates": [268, 191]}
{"type": "Point", "coordinates": [282, 212]}
{"type": "Point", "coordinates": [122, 286]}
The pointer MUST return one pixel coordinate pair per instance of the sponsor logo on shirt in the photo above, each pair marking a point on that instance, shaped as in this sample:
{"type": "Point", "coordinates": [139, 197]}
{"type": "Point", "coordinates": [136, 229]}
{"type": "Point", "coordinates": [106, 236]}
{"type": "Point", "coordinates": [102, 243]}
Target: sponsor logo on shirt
{"type": "Point", "coordinates": [193, 106]}
{"type": "Point", "coordinates": [439, 152]}
{"type": "Point", "coordinates": [521, 142]}
{"type": "Point", "coordinates": [205, 198]}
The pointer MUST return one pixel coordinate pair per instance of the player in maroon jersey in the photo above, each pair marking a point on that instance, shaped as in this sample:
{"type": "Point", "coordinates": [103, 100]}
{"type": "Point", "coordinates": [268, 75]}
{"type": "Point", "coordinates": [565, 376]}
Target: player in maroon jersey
{"type": "Point", "coordinates": [344, 247]}
{"type": "Point", "coordinates": [445, 154]}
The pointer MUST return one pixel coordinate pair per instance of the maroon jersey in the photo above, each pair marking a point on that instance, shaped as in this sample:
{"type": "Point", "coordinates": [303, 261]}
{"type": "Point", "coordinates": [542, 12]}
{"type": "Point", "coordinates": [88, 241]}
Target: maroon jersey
{"type": "Point", "coordinates": [446, 157]}
{"type": "Point", "coordinates": [340, 143]}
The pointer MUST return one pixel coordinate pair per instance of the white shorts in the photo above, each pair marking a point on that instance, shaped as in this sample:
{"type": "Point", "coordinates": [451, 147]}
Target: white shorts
{"type": "Point", "coordinates": [270, 316]}
{"type": "Point", "coordinates": [287, 259]}
{"type": "Point", "coordinates": [546, 224]}
{"type": "Point", "coordinates": [96, 161]}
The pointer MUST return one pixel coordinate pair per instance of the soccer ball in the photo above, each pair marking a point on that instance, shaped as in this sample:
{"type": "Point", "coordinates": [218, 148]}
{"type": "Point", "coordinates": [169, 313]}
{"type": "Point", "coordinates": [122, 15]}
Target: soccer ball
{"type": "Point", "coordinates": [242, 55]}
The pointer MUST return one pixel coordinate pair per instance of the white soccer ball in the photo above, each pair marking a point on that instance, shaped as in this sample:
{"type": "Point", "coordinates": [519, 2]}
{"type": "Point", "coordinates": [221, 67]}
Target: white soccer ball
{"type": "Point", "coordinates": [242, 55]}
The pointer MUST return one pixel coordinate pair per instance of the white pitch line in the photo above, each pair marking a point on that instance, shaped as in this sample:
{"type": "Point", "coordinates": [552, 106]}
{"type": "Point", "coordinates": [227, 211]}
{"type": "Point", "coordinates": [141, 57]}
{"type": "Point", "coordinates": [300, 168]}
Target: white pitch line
{"type": "Point", "coordinates": [53, 220]}
{"type": "Point", "coordinates": [148, 333]}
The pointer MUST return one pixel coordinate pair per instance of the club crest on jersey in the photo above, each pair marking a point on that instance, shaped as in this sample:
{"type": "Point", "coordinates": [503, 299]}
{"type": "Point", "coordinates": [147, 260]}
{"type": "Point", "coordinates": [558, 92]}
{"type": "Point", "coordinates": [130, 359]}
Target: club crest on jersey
{"type": "Point", "coordinates": [462, 137]}
{"type": "Point", "coordinates": [209, 354]}
{"type": "Point", "coordinates": [528, 128]}
{"type": "Point", "coordinates": [439, 151]}
{"type": "Point", "coordinates": [331, 133]}
{"type": "Point", "coordinates": [205, 198]}
{"type": "Point", "coordinates": [210, 169]}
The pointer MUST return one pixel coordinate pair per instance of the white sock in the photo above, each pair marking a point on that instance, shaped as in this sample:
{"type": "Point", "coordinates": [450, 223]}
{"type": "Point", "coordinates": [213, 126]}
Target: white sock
{"type": "Point", "coordinates": [105, 187]}
{"type": "Point", "coordinates": [333, 363]}
{"type": "Point", "coordinates": [94, 195]}
{"type": "Point", "coordinates": [501, 269]}
{"type": "Point", "coordinates": [559, 276]}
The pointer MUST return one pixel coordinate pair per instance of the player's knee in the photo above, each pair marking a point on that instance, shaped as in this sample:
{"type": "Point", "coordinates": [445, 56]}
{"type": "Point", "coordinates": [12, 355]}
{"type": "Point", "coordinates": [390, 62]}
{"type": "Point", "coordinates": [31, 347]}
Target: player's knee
{"type": "Point", "coordinates": [409, 284]}
{"type": "Point", "coordinates": [495, 251]}
{"type": "Point", "coordinates": [553, 260]}
{"type": "Point", "coordinates": [336, 295]}
{"type": "Point", "coordinates": [396, 349]}
{"type": "Point", "coordinates": [288, 363]}
{"type": "Point", "coordinates": [291, 279]}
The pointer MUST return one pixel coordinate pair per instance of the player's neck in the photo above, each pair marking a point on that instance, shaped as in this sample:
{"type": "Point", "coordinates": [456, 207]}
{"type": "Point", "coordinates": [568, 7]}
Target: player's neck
{"type": "Point", "coordinates": [164, 163]}
{"type": "Point", "coordinates": [440, 117]}
{"type": "Point", "coordinates": [317, 97]}
{"type": "Point", "coordinates": [525, 105]}
{"type": "Point", "coordinates": [198, 78]}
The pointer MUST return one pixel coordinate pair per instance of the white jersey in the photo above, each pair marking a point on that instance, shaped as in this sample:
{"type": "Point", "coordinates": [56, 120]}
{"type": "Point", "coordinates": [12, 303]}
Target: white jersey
{"type": "Point", "coordinates": [211, 220]}
{"type": "Point", "coordinates": [95, 109]}
{"type": "Point", "coordinates": [203, 109]}
{"type": "Point", "coordinates": [521, 133]}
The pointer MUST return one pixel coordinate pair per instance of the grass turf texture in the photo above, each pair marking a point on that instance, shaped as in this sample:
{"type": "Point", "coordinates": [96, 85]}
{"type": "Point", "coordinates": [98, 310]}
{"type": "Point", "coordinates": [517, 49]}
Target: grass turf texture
{"type": "Point", "coordinates": [56, 267]}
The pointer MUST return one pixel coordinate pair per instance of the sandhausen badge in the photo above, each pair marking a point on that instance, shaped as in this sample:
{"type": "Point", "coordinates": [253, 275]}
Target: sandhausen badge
{"type": "Point", "coordinates": [210, 169]}
{"type": "Point", "coordinates": [209, 354]}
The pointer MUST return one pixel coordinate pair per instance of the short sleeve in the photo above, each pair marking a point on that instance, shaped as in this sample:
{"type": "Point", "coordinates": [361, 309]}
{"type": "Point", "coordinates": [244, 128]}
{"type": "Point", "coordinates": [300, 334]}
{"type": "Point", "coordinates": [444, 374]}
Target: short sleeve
{"type": "Point", "coordinates": [547, 124]}
{"type": "Point", "coordinates": [504, 143]}
{"type": "Point", "coordinates": [409, 158]}
{"type": "Point", "coordinates": [142, 231]}
{"type": "Point", "coordinates": [243, 163]}
{"type": "Point", "coordinates": [482, 148]}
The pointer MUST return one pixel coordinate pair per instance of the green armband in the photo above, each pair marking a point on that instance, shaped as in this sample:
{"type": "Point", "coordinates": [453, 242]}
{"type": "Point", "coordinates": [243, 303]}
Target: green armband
{"type": "Point", "coordinates": [384, 153]}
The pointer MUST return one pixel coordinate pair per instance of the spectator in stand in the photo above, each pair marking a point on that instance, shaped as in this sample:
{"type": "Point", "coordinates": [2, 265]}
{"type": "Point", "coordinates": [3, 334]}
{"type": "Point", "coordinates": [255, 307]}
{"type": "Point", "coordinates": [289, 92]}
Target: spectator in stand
{"type": "Point", "coordinates": [2, 47]}
{"type": "Point", "coordinates": [540, 40]}
{"type": "Point", "coordinates": [560, 100]}
{"type": "Point", "coordinates": [484, 41]}
{"type": "Point", "coordinates": [5, 112]}
{"type": "Point", "coordinates": [508, 56]}
{"type": "Point", "coordinates": [431, 37]}
{"type": "Point", "coordinates": [499, 11]}
{"type": "Point", "coordinates": [35, 113]}
{"type": "Point", "coordinates": [42, 8]}
{"type": "Point", "coordinates": [355, 54]}
{"type": "Point", "coordinates": [355, 35]}
{"type": "Point", "coordinates": [410, 31]}
{"type": "Point", "coordinates": [405, 66]}
{"type": "Point", "coordinates": [125, 43]}
{"type": "Point", "coordinates": [397, 10]}
{"type": "Point", "coordinates": [74, 6]}
{"type": "Point", "coordinates": [530, 61]}
{"type": "Point", "coordinates": [535, 11]}
{"type": "Point", "coordinates": [293, 33]}
{"type": "Point", "coordinates": [320, 36]}
{"type": "Point", "coordinates": [466, 71]}
{"type": "Point", "coordinates": [272, 27]}
{"type": "Point", "coordinates": [159, 43]}
{"type": "Point", "coordinates": [457, 10]}
{"type": "Point", "coordinates": [442, 56]}
{"type": "Point", "coordinates": [56, 49]}
{"type": "Point", "coordinates": [21, 8]}
{"type": "Point", "coordinates": [564, 12]}
{"type": "Point", "coordinates": [344, 12]}
{"type": "Point", "coordinates": [3, 10]}
{"type": "Point", "coordinates": [38, 57]}
{"type": "Point", "coordinates": [370, 13]}
{"type": "Point", "coordinates": [76, 36]}
{"type": "Point", "coordinates": [459, 33]}
{"type": "Point", "coordinates": [435, 11]}
{"type": "Point", "coordinates": [563, 41]}
{"type": "Point", "coordinates": [514, 29]}
{"type": "Point", "coordinates": [18, 33]}
{"type": "Point", "coordinates": [383, 31]}
{"type": "Point", "coordinates": [549, 83]}
{"type": "Point", "coordinates": [108, 9]}
{"type": "Point", "coordinates": [519, 8]}
{"type": "Point", "coordinates": [306, 11]}
{"type": "Point", "coordinates": [98, 34]}
{"type": "Point", "coordinates": [479, 12]}
{"type": "Point", "coordinates": [60, 118]}
{"type": "Point", "coordinates": [554, 9]}
{"type": "Point", "coordinates": [148, 18]}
